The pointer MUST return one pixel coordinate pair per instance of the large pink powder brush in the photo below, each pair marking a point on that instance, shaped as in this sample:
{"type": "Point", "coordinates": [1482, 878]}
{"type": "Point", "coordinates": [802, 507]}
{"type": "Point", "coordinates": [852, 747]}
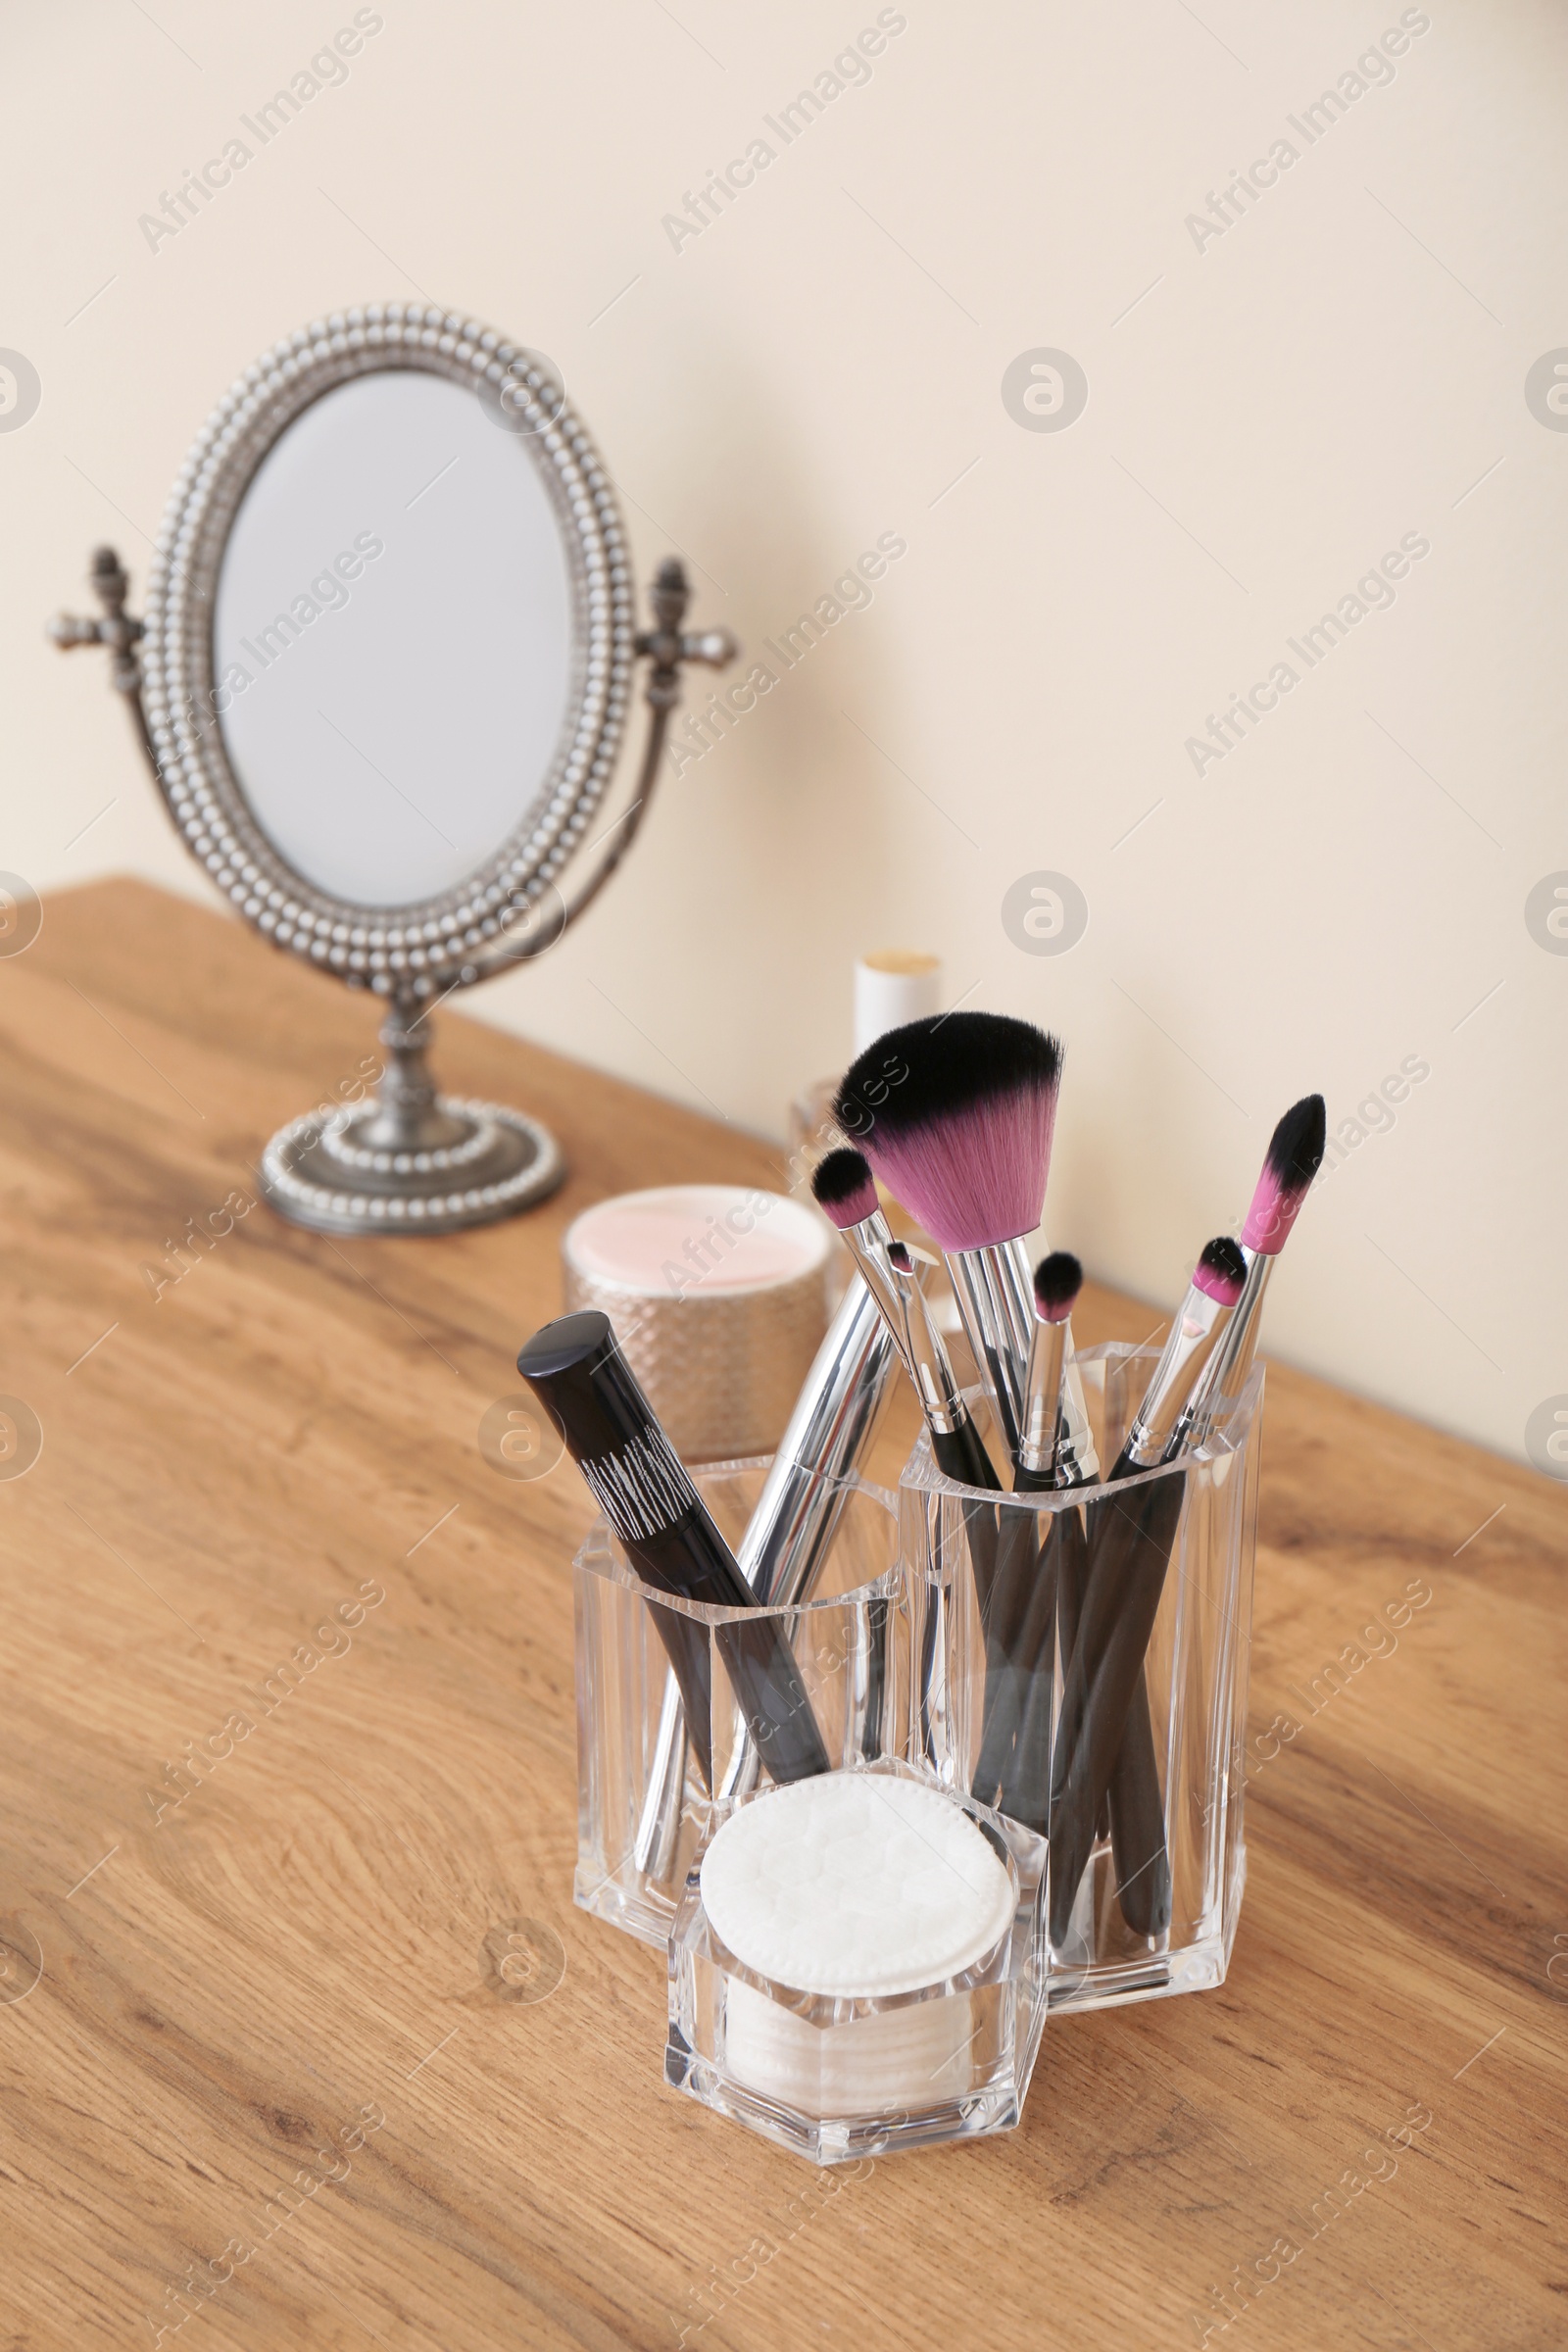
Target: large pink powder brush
{"type": "Point", "coordinates": [955, 1113]}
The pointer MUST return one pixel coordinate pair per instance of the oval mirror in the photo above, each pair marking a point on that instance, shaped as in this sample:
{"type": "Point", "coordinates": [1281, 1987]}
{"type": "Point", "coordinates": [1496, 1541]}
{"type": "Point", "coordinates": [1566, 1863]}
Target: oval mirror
{"type": "Point", "coordinates": [383, 683]}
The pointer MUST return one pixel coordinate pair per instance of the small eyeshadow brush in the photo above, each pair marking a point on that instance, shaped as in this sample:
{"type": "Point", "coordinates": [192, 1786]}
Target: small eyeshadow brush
{"type": "Point", "coordinates": [1131, 1542]}
{"type": "Point", "coordinates": [1113, 1760]}
{"type": "Point", "coordinates": [1022, 1631]}
{"type": "Point", "coordinates": [846, 1192]}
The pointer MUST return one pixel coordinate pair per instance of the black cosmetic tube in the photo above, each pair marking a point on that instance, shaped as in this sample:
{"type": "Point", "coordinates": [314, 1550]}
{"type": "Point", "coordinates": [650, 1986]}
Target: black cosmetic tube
{"type": "Point", "coordinates": [577, 1372]}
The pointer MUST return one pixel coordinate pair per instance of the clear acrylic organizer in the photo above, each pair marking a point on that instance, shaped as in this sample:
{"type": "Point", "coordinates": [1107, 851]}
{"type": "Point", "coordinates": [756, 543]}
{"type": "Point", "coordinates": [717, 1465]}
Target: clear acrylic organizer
{"type": "Point", "coordinates": [991, 1636]}
{"type": "Point", "coordinates": [643, 1809]}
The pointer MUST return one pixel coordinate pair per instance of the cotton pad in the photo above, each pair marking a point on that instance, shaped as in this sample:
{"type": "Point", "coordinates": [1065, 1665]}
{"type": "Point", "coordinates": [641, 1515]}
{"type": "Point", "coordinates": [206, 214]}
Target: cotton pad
{"type": "Point", "coordinates": [855, 1884]}
{"type": "Point", "coordinates": [857, 1887]}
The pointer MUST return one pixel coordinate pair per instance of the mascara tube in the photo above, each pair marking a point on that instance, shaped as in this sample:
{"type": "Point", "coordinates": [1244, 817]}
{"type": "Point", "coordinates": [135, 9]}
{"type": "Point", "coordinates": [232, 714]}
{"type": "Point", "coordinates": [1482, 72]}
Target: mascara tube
{"type": "Point", "coordinates": [790, 1533]}
{"type": "Point", "coordinates": [577, 1372]}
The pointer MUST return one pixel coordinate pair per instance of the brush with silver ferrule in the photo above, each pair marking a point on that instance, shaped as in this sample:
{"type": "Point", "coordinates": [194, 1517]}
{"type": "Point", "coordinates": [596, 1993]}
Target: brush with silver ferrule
{"type": "Point", "coordinates": [1021, 1633]}
{"type": "Point", "coordinates": [1131, 1797]}
{"type": "Point", "coordinates": [957, 1115]}
{"type": "Point", "coordinates": [1293, 1158]}
{"type": "Point", "coordinates": [1195, 1335]}
{"type": "Point", "coordinates": [1104, 1754]}
{"type": "Point", "coordinates": [1050, 1450]}
{"type": "Point", "coordinates": [846, 1192]}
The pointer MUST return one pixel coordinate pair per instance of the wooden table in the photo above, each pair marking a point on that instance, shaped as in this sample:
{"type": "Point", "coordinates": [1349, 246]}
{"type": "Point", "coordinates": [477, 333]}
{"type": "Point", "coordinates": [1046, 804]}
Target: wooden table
{"type": "Point", "coordinates": [299, 1977]}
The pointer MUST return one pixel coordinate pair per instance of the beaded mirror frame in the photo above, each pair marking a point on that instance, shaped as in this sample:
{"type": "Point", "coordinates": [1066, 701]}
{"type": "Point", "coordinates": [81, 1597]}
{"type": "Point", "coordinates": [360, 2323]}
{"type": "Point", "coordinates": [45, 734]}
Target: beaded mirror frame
{"type": "Point", "coordinates": [407, 1160]}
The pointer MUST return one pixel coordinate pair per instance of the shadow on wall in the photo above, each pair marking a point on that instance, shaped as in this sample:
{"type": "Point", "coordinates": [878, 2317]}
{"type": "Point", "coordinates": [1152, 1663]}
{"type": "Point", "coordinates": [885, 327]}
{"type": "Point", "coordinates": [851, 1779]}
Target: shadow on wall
{"type": "Point", "coordinates": [775, 767]}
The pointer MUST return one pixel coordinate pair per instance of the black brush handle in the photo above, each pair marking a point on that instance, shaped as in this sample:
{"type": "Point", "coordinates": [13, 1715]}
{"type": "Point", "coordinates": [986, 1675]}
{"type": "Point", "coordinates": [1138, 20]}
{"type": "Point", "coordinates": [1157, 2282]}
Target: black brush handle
{"type": "Point", "coordinates": [1027, 1795]}
{"type": "Point", "coordinates": [1138, 1823]}
{"type": "Point", "coordinates": [959, 1455]}
{"type": "Point", "coordinates": [876, 1676]}
{"type": "Point", "coordinates": [1020, 1749]}
{"type": "Point", "coordinates": [1071, 1592]}
{"type": "Point", "coordinates": [1020, 1626]}
{"type": "Point", "coordinates": [686, 1648]}
{"type": "Point", "coordinates": [1126, 1580]}
{"type": "Point", "coordinates": [1133, 1808]}
{"type": "Point", "coordinates": [1009, 1646]}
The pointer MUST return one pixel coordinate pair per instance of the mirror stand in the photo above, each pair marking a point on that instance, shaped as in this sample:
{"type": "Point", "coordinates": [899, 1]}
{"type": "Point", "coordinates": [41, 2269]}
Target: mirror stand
{"type": "Point", "coordinates": [410, 1159]}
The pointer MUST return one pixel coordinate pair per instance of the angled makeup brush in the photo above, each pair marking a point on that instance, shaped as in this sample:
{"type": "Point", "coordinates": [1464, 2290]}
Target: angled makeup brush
{"type": "Point", "coordinates": [963, 1138]}
{"type": "Point", "coordinates": [846, 1192]}
{"type": "Point", "coordinates": [1293, 1160]}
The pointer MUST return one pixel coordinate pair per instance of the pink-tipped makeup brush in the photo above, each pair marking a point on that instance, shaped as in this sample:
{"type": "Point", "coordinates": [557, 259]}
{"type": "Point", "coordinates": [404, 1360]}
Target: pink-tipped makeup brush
{"type": "Point", "coordinates": [845, 1191]}
{"type": "Point", "coordinates": [1201, 1328]}
{"type": "Point", "coordinates": [1293, 1160]}
{"type": "Point", "coordinates": [1021, 1627]}
{"type": "Point", "coordinates": [956, 1114]}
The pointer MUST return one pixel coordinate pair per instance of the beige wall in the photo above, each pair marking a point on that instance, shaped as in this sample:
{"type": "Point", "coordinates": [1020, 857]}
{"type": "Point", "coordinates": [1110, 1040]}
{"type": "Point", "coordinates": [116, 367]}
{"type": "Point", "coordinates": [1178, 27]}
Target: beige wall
{"type": "Point", "coordinates": [1271, 411]}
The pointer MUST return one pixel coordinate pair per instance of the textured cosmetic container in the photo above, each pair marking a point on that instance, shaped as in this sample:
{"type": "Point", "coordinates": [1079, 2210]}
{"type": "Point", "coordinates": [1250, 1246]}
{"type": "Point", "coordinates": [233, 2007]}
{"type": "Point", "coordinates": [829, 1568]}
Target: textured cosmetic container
{"type": "Point", "coordinates": [719, 1297]}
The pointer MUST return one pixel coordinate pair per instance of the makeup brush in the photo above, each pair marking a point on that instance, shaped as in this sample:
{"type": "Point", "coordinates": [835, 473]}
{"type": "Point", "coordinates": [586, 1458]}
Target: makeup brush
{"type": "Point", "coordinates": [1039, 1576]}
{"type": "Point", "coordinates": [1202, 1371]}
{"type": "Point", "coordinates": [1044, 1438]}
{"type": "Point", "coordinates": [1197, 1333]}
{"type": "Point", "coordinates": [1291, 1161]}
{"type": "Point", "coordinates": [1133, 1795]}
{"type": "Point", "coordinates": [1022, 1617]}
{"type": "Point", "coordinates": [846, 1192]}
{"type": "Point", "coordinates": [590, 1391]}
{"type": "Point", "coordinates": [1131, 1544]}
{"type": "Point", "coordinates": [1123, 1770]}
{"type": "Point", "coordinates": [963, 1138]}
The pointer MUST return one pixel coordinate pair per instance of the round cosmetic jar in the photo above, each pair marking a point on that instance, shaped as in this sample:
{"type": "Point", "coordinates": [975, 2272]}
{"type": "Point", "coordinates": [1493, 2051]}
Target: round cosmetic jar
{"type": "Point", "coordinates": [855, 1965]}
{"type": "Point", "coordinates": [719, 1297]}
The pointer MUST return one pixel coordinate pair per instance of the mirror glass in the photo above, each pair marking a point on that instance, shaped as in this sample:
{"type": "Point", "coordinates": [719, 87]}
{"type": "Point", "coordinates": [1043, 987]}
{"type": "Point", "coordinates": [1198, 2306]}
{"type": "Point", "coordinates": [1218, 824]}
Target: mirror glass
{"type": "Point", "coordinates": [393, 644]}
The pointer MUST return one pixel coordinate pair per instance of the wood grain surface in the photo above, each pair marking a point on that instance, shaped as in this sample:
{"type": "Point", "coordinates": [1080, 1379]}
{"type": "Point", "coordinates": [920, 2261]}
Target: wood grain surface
{"type": "Point", "coordinates": [320, 2055]}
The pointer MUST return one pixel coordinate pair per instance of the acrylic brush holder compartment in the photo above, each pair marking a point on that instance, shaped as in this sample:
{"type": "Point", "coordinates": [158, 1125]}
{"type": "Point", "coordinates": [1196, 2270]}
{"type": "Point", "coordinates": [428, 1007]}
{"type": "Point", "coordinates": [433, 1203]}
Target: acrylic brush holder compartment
{"type": "Point", "coordinates": [645, 1802]}
{"type": "Point", "coordinates": [1146, 1879]}
{"type": "Point", "coordinates": [858, 1966]}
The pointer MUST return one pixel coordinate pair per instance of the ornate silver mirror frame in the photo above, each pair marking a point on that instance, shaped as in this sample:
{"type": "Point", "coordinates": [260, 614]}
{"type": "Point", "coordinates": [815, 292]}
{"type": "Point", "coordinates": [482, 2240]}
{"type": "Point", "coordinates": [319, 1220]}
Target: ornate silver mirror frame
{"type": "Point", "coordinates": [407, 1161]}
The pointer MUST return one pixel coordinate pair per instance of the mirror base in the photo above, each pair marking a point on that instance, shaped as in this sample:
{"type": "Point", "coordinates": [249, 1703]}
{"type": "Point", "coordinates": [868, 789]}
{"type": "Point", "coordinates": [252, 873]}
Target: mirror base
{"type": "Point", "coordinates": [335, 1176]}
